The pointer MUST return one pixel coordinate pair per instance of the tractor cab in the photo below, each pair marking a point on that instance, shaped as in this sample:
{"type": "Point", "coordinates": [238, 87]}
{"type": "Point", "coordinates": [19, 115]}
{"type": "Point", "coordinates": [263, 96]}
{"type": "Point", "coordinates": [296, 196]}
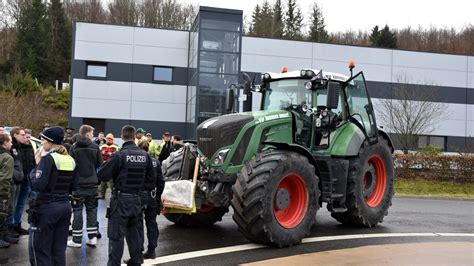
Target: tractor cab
{"type": "Point", "coordinates": [319, 102]}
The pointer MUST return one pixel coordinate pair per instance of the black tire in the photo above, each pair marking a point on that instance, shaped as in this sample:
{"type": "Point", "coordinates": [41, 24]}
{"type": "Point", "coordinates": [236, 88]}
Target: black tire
{"type": "Point", "coordinates": [201, 218]}
{"type": "Point", "coordinates": [198, 219]}
{"type": "Point", "coordinates": [170, 167]}
{"type": "Point", "coordinates": [255, 194]}
{"type": "Point", "coordinates": [358, 210]}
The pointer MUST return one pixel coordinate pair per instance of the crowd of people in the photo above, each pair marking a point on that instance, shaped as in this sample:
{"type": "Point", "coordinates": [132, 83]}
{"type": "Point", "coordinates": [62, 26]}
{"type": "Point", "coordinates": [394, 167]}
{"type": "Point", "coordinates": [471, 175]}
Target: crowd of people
{"type": "Point", "coordinates": [70, 172]}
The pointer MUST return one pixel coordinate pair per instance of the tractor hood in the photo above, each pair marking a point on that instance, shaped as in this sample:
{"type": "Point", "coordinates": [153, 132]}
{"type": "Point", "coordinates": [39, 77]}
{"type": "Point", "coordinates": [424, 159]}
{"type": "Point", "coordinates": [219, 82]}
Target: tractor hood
{"type": "Point", "coordinates": [222, 131]}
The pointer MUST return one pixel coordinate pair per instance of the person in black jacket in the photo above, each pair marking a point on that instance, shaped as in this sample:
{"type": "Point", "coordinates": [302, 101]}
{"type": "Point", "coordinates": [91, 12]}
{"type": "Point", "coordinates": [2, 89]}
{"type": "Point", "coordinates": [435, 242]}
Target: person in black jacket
{"type": "Point", "coordinates": [88, 159]}
{"type": "Point", "coordinates": [129, 168]}
{"type": "Point", "coordinates": [24, 152]}
{"type": "Point", "coordinates": [151, 201]}
{"type": "Point", "coordinates": [49, 214]}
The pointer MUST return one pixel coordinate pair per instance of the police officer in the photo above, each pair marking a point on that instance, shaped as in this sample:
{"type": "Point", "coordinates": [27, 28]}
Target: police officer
{"type": "Point", "coordinates": [129, 168]}
{"type": "Point", "coordinates": [50, 212]}
{"type": "Point", "coordinates": [151, 201]}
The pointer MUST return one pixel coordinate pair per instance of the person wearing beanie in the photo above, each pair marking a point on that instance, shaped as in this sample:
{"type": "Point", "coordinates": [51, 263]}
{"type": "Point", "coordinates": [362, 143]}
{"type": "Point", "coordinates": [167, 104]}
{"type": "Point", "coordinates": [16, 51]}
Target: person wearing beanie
{"type": "Point", "coordinates": [50, 211]}
{"type": "Point", "coordinates": [139, 135]}
{"type": "Point", "coordinates": [107, 150]}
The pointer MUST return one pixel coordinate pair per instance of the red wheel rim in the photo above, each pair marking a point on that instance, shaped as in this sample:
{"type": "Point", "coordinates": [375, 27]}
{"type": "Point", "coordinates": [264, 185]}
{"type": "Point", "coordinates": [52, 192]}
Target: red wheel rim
{"type": "Point", "coordinates": [297, 206]}
{"type": "Point", "coordinates": [380, 179]}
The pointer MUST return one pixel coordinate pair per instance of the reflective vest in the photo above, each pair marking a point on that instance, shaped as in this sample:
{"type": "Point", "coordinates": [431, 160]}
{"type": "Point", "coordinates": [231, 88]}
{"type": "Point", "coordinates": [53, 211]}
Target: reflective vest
{"type": "Point", "coordinates": [132, 174]}
{"type": "Point", "coordinates": [61, 177]}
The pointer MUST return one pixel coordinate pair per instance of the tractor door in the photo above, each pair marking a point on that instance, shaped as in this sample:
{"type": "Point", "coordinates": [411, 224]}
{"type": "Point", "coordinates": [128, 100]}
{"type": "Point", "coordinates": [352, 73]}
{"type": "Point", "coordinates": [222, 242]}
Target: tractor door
{"type": "Point", "coordinates": [360, 106]}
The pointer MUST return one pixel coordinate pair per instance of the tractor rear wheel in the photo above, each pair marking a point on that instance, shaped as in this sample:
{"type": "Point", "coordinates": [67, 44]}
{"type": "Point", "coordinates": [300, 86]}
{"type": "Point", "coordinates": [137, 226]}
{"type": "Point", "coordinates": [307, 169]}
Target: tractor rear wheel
{"type": "Point", "coordinates": [370, 186]}
{"type": "Point", "coordinates": [275, 198]}
{"type": "Point", "coordinates": [206, 215]}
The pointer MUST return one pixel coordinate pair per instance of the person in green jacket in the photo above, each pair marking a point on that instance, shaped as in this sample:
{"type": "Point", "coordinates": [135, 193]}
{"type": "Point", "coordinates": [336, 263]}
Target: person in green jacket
{"type": "Point", "coordinates": [6, 174]}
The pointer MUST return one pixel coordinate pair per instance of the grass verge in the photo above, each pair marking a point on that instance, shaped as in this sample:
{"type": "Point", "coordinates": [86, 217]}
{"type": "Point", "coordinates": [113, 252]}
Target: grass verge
{"type": "Point", "coordinates": [437, 189]}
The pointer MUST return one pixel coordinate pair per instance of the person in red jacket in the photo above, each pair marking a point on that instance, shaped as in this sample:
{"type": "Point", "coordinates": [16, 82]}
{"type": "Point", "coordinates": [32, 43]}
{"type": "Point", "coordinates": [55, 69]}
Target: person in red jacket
{"type": "Point", "coordinates": [107, 150]}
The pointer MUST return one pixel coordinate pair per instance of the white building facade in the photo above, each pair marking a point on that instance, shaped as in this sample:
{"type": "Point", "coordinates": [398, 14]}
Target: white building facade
{"type": "Point", "coordinates": [170, 80]}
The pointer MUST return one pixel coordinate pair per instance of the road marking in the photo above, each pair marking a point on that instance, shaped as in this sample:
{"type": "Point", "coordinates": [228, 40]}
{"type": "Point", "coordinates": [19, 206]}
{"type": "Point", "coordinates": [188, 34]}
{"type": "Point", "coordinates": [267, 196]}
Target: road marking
{"type": "Point", "coordinates": [218, 251]}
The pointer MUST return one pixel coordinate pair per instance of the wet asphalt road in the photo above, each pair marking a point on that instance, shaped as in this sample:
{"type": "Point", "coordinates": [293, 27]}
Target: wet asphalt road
{"type": "Point", "coordinates": [407, 215]}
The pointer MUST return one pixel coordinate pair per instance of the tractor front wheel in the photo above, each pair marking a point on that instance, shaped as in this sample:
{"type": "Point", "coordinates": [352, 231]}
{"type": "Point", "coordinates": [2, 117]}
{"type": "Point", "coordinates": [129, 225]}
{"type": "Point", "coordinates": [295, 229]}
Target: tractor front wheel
{"type": "Point", "coordinates": [275, 198]}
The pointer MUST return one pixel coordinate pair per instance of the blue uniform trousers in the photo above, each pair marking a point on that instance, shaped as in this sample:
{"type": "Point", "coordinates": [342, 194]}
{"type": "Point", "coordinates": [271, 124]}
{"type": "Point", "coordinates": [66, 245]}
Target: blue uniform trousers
{"type": "Point", "coordinates": [124, 221]}
{"type": "Point", "coordinates": [48, 235]}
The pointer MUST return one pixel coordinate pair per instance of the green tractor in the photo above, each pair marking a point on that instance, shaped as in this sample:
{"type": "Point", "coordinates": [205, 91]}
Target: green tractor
{"type": "Point", "coordinates": [314, 140]}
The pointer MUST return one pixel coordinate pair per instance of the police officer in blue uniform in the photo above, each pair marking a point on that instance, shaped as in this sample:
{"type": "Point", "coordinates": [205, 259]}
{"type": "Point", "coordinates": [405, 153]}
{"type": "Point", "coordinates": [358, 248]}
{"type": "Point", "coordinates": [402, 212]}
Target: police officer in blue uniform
{"type": "Point", "coordinates": [49, 215]}
{"type": "Point", "coordinates": [129, 168]}
{"type": "Point", "coordinates": [151, 201]}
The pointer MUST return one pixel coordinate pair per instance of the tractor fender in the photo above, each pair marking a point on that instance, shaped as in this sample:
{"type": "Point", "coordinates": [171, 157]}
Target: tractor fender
{"type": "Point", "coordinates": [387, 137]}
{"type": "Point", "coordinates": [296, 148]}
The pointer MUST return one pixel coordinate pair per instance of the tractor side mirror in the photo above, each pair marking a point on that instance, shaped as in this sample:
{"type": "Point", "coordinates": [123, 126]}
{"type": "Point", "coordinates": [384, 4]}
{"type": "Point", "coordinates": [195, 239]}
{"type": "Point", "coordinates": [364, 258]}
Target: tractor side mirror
{"type": "Point", "coordinates": [333, 95]}
{"type": "Point", "coordinates": [229, 99]}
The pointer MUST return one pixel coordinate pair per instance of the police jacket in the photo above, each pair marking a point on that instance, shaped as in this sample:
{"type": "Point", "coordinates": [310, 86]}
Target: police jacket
{"type": "Point", "coordinates": [160, 181]}
{"type": "Point", "coordinates": [129, 168]}
{"type": "Point", "coordinates": [54, 178]}
{"type": "Point", "coordinates": [88, 159]}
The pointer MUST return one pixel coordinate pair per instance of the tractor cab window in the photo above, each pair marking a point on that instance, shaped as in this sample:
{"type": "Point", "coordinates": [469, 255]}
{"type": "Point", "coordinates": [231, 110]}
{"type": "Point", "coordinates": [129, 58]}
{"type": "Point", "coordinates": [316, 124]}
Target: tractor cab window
{"type": "Point", "coordinates": [360, 107]}
{"type": "Point", "coordinates": [286, 94]}
{"type": "Point", "coordinates": [291, 95]}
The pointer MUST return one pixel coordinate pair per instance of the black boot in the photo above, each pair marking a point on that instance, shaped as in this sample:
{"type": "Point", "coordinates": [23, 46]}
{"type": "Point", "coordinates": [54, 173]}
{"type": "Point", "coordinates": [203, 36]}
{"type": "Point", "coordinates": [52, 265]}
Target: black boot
{"type": "Point", "coordinates": [12, 232]}
{"type": "Point", "coordinates": [3, 243]}
{"type": "Point", "coordinates": [20, 230]}
{"type": "Point", "coordinates": [149, 254]}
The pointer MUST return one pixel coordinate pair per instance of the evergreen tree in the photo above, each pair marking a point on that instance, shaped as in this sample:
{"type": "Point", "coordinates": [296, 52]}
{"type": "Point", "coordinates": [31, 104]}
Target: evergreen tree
{"type": "Point", "coordinates": [255, 24]}
{"type": "Point", "coordinates": [277, 26]}
{"type": "Point", "coordinates": [33, 37]}
{"type": "Point", "coordinates": [293, 21]}
{"type": "Point", "coordinates": [374, 36]}
{"type": "Point", "coordinates": [318, 32]}
{"type": "Point", "coordinates": [387, 38]}
{"type": "Point", "coordinates": [59, 51]}
{"type": "Point", "coordinates": [266, 20]}
{"type": "Point", "coordinates": [383, 38]}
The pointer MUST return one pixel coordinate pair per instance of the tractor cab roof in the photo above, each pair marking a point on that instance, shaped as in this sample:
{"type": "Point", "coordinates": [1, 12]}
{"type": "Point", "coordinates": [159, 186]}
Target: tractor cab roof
{"type": "Point", "coordinates": [304, 73]}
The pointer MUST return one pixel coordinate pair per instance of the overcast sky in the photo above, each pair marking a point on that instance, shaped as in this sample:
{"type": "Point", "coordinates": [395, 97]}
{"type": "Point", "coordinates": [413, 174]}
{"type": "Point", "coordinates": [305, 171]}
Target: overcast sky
{"type": "Point", "coordinates": [365, 14]}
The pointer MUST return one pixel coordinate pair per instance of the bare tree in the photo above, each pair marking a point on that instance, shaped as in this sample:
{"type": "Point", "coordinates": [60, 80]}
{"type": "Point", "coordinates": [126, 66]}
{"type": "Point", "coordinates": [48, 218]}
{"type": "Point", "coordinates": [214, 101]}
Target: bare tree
{"type": "Point", "coordinates": [85, 10]}
{"type": "Point", "coordinates": [166, 14]}
{"type": "Point", "coordinates": [124, 12]}
{"type": "Point", "coordinates": [411, 112]}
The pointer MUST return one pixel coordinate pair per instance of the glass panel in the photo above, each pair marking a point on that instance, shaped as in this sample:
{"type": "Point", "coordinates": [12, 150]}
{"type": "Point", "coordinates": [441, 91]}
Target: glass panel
{"type": "Point", "coordinates": [211, 106]}
{"type": "Point", "coordinates": [359, 105]}
{"type": "Point", "coordinates": [286, 94]}
{"type": "Point", "coordinates": [219, 63]}
{"type": "Point", "coordinates": [215, 84]}
{"type": "Point", "coordinates": [163, 74]}
{"type": "Point", "coordinates": [97, 71]}
{"type": "Point", "coordinates": [220, 41]}
{"type": "Point", "coordinates": [422, 141]}
{"type": "Point", "coordinates": [437, 142]}
{"type": "Point", "coordinates": [220, 24]}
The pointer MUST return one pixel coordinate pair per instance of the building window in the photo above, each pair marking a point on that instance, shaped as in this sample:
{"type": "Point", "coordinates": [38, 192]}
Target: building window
{"type": "Point", "coordinates": [435, 141]}
{"type": "Point", "coordinates": [163, 74]}
{"type": "Point", "coordinates": [96, 70]}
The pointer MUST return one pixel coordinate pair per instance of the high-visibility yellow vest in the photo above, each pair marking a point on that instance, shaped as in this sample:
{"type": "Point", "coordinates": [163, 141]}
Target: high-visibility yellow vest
{"type": "Point", "coordinates": [63, 162]}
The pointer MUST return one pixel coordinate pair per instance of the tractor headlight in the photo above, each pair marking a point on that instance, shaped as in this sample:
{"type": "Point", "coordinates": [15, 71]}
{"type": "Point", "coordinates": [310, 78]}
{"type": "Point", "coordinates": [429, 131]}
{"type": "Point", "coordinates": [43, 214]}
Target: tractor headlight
{"type": "Point", "coordinates": [308, 85]}
{"type": "Point", "coordinates": [303, 72]}
{"type": "Point", "coordinates": [221, 155]}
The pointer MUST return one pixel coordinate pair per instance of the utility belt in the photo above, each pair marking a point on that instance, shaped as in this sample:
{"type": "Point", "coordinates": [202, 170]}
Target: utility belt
{"type": "Point", "coordinates": [151, 192]}
{"type": "Point", "coordinates": [117, 192]}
